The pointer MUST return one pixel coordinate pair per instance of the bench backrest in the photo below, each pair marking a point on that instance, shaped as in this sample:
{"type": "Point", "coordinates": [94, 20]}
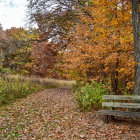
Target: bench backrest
{"type": "Point", "coordinates": [111, 101]}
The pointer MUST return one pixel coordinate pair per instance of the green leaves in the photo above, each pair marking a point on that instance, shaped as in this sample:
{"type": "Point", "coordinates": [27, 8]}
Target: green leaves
{"type": "Point", "coordinates": [5, 70]}
{"type": "Point", "coordinates": [90, 96]}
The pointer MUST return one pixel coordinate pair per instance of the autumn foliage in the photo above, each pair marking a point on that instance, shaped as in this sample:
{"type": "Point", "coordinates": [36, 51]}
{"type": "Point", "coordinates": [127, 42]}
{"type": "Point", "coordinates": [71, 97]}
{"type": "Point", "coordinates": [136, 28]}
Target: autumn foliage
{"type": "Point", "coordinates": [44, 57]}
{"type": "Point", "coordinates": [102, 46]}
{"type": "Point", "coordinates": [99, 44]}
{"type": "Point", "coordinates": [15, 47]}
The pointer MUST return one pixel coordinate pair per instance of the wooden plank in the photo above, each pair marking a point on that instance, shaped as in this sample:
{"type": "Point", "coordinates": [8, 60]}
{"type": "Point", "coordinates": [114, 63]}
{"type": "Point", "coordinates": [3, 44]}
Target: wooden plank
{"type": "Point", "coordinates": [121, 105]}
{"type": "Point", "coordinates": [120, 97]}
{"type": "Point", "coordinates": [119, 113]}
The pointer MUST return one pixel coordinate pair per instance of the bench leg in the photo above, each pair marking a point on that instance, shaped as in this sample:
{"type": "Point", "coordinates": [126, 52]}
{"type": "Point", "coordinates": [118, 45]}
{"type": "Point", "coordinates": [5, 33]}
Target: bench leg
{"type": "Point", "coordinates": [112, 118]}
{"type": "Point", "coordinates": [106, 119]}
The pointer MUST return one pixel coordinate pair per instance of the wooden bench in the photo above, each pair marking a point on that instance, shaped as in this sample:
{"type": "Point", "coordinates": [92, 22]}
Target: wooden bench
{"type": "Point", "coordinates": [119, 101]}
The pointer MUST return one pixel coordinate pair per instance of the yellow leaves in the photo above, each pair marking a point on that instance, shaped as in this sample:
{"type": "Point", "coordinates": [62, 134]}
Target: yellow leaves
{"type": "Point", "coordinates": [97, 2]}
{"type": "Point", "coordinates": [130, 85]}
{"type": "Point", "coordinates": [123, 70]}
{"type": "Point", "coordinates": [105, 47]}
{"type": "Point", "coordinates": [24, 35]}
{"type": "Point", "coordinates": [115, 23]}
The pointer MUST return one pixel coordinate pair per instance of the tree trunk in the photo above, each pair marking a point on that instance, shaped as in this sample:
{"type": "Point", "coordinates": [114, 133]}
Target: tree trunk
{"type": "Point", "coordinates": [136, 31]}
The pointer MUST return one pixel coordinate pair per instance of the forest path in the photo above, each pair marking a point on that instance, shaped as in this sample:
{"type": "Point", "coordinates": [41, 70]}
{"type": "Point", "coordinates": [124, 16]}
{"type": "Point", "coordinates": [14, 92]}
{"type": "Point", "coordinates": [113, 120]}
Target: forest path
{"type": "Point", "coordinates": [51, 115]}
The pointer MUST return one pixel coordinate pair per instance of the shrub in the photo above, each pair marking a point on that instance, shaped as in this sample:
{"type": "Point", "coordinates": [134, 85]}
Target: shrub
{"type": "Point", "coordinates": [89, 96]}
{"type": "Point", "coordinates": [77, 85]}
{"type": "Point", "coordinates": [4, 70]}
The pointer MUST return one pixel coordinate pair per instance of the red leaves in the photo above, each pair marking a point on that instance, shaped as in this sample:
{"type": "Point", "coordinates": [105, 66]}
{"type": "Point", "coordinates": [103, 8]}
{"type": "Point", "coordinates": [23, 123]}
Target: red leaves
{"type": "Point", "coordinates": [44, 57]}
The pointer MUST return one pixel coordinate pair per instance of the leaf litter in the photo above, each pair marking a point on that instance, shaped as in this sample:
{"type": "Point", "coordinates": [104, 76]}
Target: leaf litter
{"type": "Point", "coordinates": [52, 114]}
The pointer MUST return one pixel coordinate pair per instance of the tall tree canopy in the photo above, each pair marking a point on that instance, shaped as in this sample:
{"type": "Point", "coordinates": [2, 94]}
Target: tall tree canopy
{"type": "Point", "coordinates": [103, 45]}
{"type": "Point", "coordinates": [53, 17]}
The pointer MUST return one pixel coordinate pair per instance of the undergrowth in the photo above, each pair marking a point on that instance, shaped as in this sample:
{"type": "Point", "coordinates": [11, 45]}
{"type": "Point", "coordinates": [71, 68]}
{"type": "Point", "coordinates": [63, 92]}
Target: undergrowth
{"type": "Point", "coordinates": [89, 96]}
{"type": "Point", "coordinates": [13, 89]}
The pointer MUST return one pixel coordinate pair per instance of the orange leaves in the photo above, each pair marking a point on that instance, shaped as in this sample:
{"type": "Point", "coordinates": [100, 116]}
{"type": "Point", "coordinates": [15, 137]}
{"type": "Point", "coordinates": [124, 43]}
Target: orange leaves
{"type": "Point", "coordinates": [104, 45]}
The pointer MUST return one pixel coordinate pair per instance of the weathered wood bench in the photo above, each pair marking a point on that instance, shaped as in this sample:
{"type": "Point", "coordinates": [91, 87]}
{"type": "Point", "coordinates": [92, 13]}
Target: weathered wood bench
{"type": "Point", "coordinates": [119, 101]}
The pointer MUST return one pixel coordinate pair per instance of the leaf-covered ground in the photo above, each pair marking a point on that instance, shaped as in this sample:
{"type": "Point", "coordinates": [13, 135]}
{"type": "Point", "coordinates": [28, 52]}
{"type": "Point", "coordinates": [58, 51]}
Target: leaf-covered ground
{"type": "Point", "coordinates": [51, 115]}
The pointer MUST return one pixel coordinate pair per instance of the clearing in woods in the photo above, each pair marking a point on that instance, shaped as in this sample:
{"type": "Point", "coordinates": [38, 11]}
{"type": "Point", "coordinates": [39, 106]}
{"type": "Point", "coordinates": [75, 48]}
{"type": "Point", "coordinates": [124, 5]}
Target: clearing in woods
{"type": "Point", "coordinates": [51, 115]}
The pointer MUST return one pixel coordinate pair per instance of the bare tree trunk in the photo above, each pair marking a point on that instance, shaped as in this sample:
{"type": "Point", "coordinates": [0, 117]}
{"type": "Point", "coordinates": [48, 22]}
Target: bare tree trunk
{"type": "Point", "coordinates": [136, 30]}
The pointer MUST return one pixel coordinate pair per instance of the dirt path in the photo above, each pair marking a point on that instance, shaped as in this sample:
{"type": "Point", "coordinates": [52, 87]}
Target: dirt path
{"type": "Point", "coordinates": [51, 115]}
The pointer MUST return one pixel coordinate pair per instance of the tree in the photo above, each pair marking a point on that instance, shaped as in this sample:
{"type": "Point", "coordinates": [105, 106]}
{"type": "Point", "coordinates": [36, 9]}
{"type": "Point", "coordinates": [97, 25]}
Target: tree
{"type": "Point", "coordinates": [136, 30]}
{"type": "Point", "coordinates": [15, 44]}
{"type": "Point", "coordinates": [103, 45]}
{"type": "Point", "coordinates": [1, 29]}
{"type": "Point", "coordinates": [55, 17]}
{"type": "Point", "coordinates": [44, 58]}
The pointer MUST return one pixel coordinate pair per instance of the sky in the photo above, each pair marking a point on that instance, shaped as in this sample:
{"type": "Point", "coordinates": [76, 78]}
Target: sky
{"type": "Point", "coordinates": [13, 13]}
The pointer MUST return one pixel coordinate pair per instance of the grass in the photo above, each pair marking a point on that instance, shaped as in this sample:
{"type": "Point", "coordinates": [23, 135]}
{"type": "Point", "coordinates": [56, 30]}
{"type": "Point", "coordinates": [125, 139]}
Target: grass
{"type": "Point", "coordinates": [12, 89]}
{"type": "Point", "coordinates": [42, 81]}
{"type": "Point", "coordinates": [15, 87]}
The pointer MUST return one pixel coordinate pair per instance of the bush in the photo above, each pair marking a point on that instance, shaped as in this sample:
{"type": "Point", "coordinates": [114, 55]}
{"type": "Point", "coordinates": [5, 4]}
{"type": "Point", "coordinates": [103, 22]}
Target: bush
{"type": "Point", "coordinates": [89, 96]}
{"type": "Point", "coordinates": [4, 70]}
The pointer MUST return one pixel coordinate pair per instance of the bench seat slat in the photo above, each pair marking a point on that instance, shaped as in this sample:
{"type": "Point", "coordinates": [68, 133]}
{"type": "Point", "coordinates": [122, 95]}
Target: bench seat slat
{"type": "Point", "coordinates": [119, 113]}
{"type": "Point", "coordinates": [121, 105]}
{"type": "Point", "coordinates": [120, 97]}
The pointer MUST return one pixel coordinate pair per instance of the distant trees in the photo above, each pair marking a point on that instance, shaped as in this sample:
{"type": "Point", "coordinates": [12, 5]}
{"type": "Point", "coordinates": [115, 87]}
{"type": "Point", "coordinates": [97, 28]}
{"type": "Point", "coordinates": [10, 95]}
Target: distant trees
{"type": "Point", "coordinates": [15, 44]}
{"type": "Point", "coordinates": [25, 52]}
{"type": "Point", "coordinates": [44, 57]}
{"type": "Point", "coordinates": [1, 29]}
